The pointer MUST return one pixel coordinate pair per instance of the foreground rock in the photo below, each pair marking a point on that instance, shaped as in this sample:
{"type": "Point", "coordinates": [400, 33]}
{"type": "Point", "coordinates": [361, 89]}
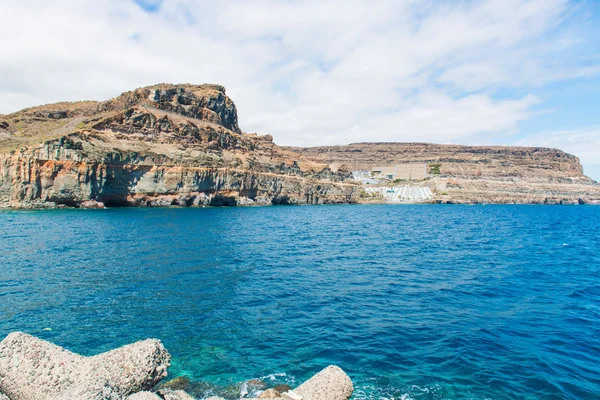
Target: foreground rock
{"type": "Point", "coordinates": [332, 383]}
{"type": "Point", "coordinates": [33, 369]}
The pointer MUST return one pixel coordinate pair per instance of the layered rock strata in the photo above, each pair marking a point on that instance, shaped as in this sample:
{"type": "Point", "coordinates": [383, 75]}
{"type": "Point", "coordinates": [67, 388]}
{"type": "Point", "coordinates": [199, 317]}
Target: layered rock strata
{"type": "Point", "coordinates": [473, 174]}
{"type": "Point", "coordinates": [181, 145]}
{"type": "Point", "coordinates": [162, 145]}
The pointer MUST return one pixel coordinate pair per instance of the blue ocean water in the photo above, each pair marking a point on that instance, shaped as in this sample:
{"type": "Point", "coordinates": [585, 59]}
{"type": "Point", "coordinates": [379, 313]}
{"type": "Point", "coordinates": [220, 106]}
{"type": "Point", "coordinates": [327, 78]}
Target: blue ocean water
{"type": "Point", "coordinates": [414, 302]}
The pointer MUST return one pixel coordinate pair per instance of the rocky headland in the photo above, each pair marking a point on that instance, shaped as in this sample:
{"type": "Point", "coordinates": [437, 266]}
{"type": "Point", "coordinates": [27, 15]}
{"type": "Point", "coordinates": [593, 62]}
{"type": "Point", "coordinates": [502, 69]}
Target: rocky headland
{"type": "Point", "coordinates": [474, 174]}
{"type": "Point", "coordinates": [181, 145]}
{"type": "Point", "coordinates": [34, 369]}
{"type": "Point", "coordinates": [161, 145]}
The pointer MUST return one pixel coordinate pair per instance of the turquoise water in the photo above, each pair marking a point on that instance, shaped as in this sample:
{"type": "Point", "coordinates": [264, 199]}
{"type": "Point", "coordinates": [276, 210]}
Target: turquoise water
{"type": "Point", "coordinates": [414, 302]}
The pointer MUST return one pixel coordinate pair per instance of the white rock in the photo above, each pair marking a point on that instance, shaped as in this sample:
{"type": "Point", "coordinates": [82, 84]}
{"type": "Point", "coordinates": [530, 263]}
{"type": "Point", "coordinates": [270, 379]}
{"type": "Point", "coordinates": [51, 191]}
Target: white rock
{"type": "Point", "coordinates": [46, 371]}
{"type": "Point", "coordinates": [332, 383]}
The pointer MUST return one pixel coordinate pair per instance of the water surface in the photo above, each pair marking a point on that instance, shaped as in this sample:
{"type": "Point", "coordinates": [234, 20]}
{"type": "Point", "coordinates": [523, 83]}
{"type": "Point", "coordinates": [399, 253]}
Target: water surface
{"type": "Point", "coordinates": [414, 302]}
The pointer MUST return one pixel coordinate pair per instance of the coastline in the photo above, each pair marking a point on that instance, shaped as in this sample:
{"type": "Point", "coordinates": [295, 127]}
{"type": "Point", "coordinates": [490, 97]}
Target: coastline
{"type": "Point", "coordinates": [433, 202]}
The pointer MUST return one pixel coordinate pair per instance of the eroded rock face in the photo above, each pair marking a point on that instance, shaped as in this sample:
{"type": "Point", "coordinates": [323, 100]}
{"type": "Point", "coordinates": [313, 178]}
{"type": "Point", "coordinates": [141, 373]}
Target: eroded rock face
{"type": "Point", "coordinates": [165, 145]}
{"type": "Point", "coordinates": [180, 145]}
{"type": "Point", "coordinates": [474, 174]}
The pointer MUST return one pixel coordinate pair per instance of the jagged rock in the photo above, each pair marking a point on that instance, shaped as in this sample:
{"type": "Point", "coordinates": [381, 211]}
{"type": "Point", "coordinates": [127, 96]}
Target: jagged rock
{"type": "Point", "coordinates": [34, 369]}
{"type": "Point", "coordinates": [332, 383]}
{"type": "Point", "coordinates": [257, 384]}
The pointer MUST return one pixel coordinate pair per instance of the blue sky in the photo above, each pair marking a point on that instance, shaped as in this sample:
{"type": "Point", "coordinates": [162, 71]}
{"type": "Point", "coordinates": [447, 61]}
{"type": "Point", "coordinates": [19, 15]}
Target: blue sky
{"type": "Point", "coordinates": [506, 72]}
{"type": "Point", "coordinates": [149, 5]}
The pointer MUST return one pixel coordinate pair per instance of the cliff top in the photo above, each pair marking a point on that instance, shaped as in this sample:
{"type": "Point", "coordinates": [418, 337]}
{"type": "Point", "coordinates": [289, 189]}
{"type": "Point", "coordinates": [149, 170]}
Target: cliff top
{"type": "Point", "coordinates": [154, 108]}
{"type": "Point", "coordinates": [205, 102]}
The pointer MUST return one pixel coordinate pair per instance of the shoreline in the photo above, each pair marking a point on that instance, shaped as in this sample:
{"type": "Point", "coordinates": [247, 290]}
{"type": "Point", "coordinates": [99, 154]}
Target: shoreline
{"type": "Point", "coordinates": [54, 206]}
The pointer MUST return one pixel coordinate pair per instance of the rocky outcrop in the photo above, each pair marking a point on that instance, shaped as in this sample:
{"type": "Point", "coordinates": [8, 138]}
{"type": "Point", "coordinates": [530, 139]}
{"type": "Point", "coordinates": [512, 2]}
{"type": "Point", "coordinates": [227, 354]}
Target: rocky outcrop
{"type": "Point", "coordinates": [164, 145]}
{"type": "Point", "coordinates": [33, 369]}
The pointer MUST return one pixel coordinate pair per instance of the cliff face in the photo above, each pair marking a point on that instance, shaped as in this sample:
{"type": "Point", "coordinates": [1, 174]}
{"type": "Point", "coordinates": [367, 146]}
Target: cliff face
{"type": "Point", "coordinates": [181, 145]}
{"type": "Point", "coordinates": [156, 146]}
{"type": "Point", "coordinates": [474, 174]}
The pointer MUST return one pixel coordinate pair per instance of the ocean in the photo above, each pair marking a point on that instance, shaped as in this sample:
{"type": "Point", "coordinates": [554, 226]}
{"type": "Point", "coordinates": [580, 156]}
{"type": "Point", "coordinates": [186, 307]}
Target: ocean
{"type": "Point", "coordinates": [412, 301]}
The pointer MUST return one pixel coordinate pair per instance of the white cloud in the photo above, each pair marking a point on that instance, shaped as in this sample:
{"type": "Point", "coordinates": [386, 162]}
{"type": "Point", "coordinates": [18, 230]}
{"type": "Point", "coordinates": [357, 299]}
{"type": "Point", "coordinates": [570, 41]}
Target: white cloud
{"type": "Point", "coordinates": [308, 72]}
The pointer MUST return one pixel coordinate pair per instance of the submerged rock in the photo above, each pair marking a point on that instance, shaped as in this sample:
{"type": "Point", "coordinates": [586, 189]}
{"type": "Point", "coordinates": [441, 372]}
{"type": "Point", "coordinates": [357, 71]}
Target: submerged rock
{"type": "Point", "coordinates": [178, 383]}
{"type": "Point", "coordinates": [34, 369]}
{"type": "Point", "coordinates": [282, 388]}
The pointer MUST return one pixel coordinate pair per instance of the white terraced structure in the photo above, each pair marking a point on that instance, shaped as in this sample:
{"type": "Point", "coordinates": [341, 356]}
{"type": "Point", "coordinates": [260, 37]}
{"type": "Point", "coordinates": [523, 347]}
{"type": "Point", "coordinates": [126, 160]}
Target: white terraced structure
{"type": "Point", "coordinates": [402, 193]}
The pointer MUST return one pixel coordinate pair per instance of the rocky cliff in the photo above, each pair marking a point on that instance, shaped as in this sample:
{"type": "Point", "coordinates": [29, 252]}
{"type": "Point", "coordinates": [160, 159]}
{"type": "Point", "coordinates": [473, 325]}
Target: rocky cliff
{"type": "Point", "coordinates": [155, 146]}
{"type": "Point", "coordinates": [181, 145]}
{"type": "Point", "coordinates": [474, 174]}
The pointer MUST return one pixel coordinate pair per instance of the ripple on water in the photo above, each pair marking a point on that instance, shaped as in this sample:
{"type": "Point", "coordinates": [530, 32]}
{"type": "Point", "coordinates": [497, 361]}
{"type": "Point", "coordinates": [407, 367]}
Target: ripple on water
{"type": "Point", "coordinates": [414, 302]}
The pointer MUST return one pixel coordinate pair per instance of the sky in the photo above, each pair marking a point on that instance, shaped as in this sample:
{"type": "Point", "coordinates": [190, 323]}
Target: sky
{"type": "Point", "coordinates": [315, 72]}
